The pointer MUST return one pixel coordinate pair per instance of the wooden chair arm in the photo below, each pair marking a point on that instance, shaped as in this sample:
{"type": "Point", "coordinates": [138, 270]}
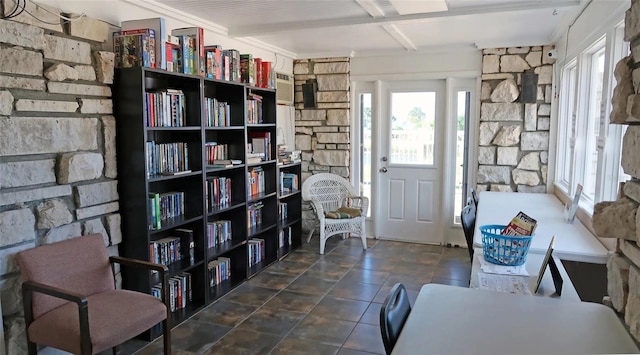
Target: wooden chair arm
{"type": "Point", "coordinates": [162, 269]}
{"type": "Point", "coordinates": [28, 287]}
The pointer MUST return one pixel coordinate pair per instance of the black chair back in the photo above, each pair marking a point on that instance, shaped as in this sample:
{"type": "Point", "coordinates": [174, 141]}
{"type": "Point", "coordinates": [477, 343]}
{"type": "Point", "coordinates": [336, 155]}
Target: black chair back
{"type": "Point", "coordinates": [393, 314]}
{"type": "Point", "coordinates": [468, 218]}
{"type": "Point", "coordinates": [474, 197]}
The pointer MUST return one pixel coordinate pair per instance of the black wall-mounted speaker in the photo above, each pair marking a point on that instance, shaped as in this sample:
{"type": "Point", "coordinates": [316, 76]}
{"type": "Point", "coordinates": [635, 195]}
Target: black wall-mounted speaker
{"type": "Point", "coordinates": [309, 93]}
{"type": "Point", "coordinates": [529, 88]}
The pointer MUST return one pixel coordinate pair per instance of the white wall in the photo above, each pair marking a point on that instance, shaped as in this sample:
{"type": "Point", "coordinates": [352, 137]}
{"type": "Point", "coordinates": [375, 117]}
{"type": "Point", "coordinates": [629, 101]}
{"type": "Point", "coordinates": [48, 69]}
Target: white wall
{"type": "Point", "coordinates": [455, 62]}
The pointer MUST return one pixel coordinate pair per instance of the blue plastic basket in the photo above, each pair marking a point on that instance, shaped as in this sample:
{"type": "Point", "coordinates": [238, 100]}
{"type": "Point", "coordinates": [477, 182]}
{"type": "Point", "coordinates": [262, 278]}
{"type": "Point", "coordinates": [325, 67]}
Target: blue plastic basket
{"type": "Point", "coordinates": [502, 249]}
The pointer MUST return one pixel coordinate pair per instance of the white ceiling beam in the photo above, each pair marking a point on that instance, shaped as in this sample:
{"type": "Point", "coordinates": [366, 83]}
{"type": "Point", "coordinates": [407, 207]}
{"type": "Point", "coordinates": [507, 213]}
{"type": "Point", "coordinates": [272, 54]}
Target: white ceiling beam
{"type": "Point", "coordinates": [371, 7]}
{"type": "Point", "coordinates": [400, 37]}
{"type": "Point", "coordinates": [257, 30]}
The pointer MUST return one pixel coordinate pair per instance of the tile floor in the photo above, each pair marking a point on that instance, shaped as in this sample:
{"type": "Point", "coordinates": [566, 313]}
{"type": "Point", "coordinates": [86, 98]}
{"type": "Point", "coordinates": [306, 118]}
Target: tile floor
{"type": "Point", "coordinates": [315, 304]}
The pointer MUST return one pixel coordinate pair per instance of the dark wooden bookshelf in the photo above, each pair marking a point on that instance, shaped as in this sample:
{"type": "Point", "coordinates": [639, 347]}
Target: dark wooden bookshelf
{"type": "Point", "coordinates": [132, 108]}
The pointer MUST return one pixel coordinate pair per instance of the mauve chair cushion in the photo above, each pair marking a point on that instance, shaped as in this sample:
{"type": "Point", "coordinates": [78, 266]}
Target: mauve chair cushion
{"type": "Point", "coordinates": [80, 265]}
{"type": "Point", "coordinates": [114, 317]}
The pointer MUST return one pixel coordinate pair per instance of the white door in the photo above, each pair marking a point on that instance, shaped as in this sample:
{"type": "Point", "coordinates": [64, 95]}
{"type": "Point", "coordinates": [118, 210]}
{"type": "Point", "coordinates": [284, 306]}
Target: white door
{"type": "Point", "coordinates": [409, 161]}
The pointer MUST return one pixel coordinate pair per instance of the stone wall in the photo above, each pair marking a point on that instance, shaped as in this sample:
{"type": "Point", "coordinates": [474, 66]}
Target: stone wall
{"type": "Point", "coordinates": [620, 219]}
{"type": "Point", "coordinates": [514, 136]}
{"type": "Point", "coordinates": [322, 133]}
{"type": "Point", "coordinates": [57, 144]}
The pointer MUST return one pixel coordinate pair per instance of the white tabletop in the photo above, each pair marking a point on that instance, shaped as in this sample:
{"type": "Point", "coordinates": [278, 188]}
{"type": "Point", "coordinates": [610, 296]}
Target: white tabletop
{"type": "Point", "coordinates": [457, 320]}
{"type": "Point", "coordinates": [534, 261]}
{"type": "Point", "coordinates": [573, 241]}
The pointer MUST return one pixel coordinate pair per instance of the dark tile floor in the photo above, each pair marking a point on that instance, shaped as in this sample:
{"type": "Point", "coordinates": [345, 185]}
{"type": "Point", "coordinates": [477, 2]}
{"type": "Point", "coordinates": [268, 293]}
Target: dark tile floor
{"type": "Point", "coordinates": [315, 304]}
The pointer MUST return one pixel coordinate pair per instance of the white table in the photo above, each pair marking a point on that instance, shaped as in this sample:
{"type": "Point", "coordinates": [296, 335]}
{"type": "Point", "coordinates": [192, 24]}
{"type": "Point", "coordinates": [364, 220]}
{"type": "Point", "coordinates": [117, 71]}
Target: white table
{"type": "Point", "coordinates": [534, 261]}
{"type": "Point", "coordinates": [457, 320]}
{"type": "Point", "coordinates": [573, 241]}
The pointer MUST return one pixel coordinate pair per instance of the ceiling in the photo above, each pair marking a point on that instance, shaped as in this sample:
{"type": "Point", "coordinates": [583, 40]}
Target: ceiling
{"type": "Point", "coordinates": [312, 28]}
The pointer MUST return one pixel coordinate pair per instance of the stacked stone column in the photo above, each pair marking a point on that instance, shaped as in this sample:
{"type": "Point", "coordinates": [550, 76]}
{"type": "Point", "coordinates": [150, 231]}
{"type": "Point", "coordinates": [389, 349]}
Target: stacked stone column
{"type": "Point", "coordinates": [57, 143]}
{"type": "Point", "coordinates": [620, 219]}
{"type": "Point", "coordinates": [514, 136]}
{"type": "Point", "coordinates": [322, 132]}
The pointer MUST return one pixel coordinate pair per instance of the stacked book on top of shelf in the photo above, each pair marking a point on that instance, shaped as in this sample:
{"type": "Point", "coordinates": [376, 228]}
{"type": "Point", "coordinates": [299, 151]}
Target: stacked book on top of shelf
{"type": "Point", "coordinates": [147, 43]}
{"type": "Point", "coordinates": [286, 156]}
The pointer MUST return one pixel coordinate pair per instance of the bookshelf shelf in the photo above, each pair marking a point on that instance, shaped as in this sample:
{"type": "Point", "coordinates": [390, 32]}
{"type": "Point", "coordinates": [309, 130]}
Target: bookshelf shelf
{"type": "Point", "coordinates": [213, 207]}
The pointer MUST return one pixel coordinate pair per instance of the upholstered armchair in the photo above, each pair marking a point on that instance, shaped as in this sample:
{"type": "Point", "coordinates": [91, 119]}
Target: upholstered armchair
{"type": "Point", "coordinates": [71, 303]}
{"type": "Point", "coordinates": [337, 206]}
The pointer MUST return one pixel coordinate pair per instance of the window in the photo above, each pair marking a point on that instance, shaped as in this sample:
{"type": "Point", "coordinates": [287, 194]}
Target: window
{"type": "Point", "coordinates": [462, 116]}
{"type": "Point", "coordinates": [588, 146]}
{"type": "Point", "coordinates": [566, 129]}
{"type": "Point", "coordinates": [365, 146]}
{"type": "Point", "coordinates": [413, 127]}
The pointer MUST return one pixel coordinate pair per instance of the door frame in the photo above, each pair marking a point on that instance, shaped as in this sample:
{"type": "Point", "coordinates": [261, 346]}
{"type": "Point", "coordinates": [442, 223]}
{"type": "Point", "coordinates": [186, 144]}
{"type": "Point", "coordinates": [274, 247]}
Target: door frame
{"type": "Point", "coordinates": [469, 80]}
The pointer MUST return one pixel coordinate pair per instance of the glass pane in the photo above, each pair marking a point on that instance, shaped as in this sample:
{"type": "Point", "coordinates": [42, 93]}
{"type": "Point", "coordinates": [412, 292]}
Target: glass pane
{"type": "Point", "coordinates": [595, 114]}
{"type": "Point", "coordinates": [365, 147]}
{"type": "Point", "coordinates": [412, 127]}
{"type": "Point", "coordinates": [568, 122]}
{"type": "Point", "coordinates": [461, 120]}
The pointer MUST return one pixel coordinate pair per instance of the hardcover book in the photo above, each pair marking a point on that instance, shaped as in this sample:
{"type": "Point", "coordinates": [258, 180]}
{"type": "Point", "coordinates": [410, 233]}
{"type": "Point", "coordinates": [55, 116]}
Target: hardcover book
{"type": "Point", "coordinates": [158, 26]}
{"type": "Point", "coordinates": [197, 34]}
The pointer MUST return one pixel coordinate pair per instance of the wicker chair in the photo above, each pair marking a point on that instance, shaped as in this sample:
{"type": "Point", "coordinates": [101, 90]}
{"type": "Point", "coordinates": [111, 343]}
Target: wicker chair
{"type": "Point", "coordinates": [327, 193]}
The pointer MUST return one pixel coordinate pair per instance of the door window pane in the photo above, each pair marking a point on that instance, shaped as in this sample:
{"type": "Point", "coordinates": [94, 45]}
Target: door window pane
{"type": "Point", "coordinates": [412, 128]}
{"type": "Point", "coordinates": [365, 147]}
{"type": "Point", "coordinates": [462, 117]}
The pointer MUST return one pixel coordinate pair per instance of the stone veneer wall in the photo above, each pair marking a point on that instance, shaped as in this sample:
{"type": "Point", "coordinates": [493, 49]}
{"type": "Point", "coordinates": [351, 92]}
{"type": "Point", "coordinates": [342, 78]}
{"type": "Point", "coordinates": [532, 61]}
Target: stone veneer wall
{"type": "Point", "coordinates": [57, 144]}
{"type": "Point", "coordinates": [514, 136]}
{"type": "Point", "coordinates": [620, 219]}
{"type": "Point", "coordinates": [322, 133]}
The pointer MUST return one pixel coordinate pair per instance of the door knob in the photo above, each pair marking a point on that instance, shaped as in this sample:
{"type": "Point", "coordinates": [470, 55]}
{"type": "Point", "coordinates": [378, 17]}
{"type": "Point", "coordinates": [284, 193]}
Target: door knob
{"type": "Point", "coordinates": [383, 170]}
{"type": "Point", "coordinates": [384, 159]}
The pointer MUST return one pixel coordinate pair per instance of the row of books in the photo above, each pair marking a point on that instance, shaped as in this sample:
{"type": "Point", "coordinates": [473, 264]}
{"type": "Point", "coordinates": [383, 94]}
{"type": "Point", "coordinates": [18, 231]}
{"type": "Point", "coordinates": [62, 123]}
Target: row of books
{"type": "Point", "coordinates": [162, 206]}
{"type": "Point", "coordinates": [218, 191]}
{"type": "Point", "coordinates": [167, 158]}
{"type": "Point", "coordinates": [217, 113]}
{"type": "Point", "coordinates": [284, 237]}
{"type": "Point", "coordinates": [256, 251]}
{"type": "Point", "coordinates": [180, 292]}
{"type": "Point", "coordinates": [165, 108]}
{"type": "Point", "coordinates": [282, 211]}
{"type": "Point", "coordinates": [165, 251]}
{"type": "Point", "coordinates": [255, 71]}
{"type": "Point", "coordinates": [146, 42]}
{"type": "Point", "coordinates": [256, 181]}
{"type": "Point", "coordinates": [288, 183]}
{"type": "Point", "coordinates": [215, 151]}
{"type": "Point", "coordinates": [254, 109]}
{"type": "Point", "coordinates": [254, 217]}
{"type": "Point", "coordinates": [219, 270]}
{"type": "Point", "coordinates": [218, 232]}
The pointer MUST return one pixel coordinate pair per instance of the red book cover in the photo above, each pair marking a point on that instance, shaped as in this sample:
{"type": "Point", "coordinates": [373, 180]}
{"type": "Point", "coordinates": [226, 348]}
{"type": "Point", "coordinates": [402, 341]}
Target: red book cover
{"type": "Point", "coordinates": [258, 73]}
{"type": "Point", "coordinates": [266, 75]}
{"type": "Point", "coordinates": [201, 68]}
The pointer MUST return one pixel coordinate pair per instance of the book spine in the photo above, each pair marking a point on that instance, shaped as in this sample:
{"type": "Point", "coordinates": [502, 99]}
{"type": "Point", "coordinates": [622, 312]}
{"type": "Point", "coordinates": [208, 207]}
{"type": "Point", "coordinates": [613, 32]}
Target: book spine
{"type": "Point", "coordinates": [200, 51]}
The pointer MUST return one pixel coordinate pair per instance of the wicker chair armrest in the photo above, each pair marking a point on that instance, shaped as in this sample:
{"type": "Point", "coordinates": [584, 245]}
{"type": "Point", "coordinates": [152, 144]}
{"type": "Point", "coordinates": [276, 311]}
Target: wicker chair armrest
{"type": "Point", "coordinates": [360, 202]}
{"type": "Point", "coordinates": [317, 207]}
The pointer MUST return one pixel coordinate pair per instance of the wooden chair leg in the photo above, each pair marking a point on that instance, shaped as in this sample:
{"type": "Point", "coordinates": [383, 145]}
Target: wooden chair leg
{"type": "Point", "coordinates": [166, 335]}
{"type": "Point", "coordinates": [32, 348]}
